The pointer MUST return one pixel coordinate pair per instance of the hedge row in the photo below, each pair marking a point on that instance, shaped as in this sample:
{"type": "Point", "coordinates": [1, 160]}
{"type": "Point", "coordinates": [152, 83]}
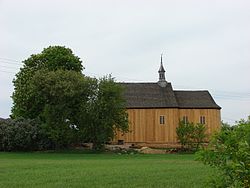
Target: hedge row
{"type": "Point", "coordinates": [23, 135]}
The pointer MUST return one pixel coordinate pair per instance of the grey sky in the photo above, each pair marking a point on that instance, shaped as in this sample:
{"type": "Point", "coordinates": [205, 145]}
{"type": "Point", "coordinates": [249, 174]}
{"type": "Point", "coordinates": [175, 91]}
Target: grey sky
{"type": "Point", "coordinates": [206, 44]}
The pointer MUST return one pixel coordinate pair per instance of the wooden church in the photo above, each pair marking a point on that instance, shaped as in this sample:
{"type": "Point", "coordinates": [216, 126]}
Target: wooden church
{"type": "Point", "coordinates": [155, 109]}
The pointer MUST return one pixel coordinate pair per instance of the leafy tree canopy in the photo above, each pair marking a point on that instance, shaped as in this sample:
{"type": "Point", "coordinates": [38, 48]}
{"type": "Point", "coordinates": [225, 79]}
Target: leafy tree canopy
{"type": "Point", "coordinates": [65, 94]}
{"type": "Point", "coordinates": [78, 108]}
{"type": "Point", "coordinates": [72, 107]}
{"type": "Point", "coordinates": [229, 151]}
{"type": "Point", "coordinates": [52, 58]}
{"type": "Point", "coordinates": [106, 113]}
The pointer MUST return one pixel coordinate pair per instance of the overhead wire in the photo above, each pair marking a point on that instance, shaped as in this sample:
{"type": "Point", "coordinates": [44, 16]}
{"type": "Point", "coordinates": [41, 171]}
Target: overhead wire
{"type": "Point", "coordinates": [15, 68]}
{"type": "Point", "coordinates": [7, 72]}
{"type": "Point", "coordinates": [10, 65]}
{"type": "Point", "coordinates": [218, 94]}
{"type": "Point", "coordinates": [8, 59]}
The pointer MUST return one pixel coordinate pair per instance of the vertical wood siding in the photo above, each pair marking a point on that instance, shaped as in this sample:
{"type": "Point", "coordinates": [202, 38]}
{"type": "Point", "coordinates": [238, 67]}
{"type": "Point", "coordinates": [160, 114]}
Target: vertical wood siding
{"type": "Point", "coordinates": [144, 124]}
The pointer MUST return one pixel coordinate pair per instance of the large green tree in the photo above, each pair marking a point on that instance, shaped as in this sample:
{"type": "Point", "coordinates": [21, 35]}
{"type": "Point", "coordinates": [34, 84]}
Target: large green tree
{"type": "Point", "coordinates": [106, 113]}
{"type": "Point", "coordinates": [65, 93]}
{"type": "Point", "coordinates": [79, 108]}
{"type": "Point", "coordinates": [72, 107]}
{"type": "Point", "coordinates": [26, 103]}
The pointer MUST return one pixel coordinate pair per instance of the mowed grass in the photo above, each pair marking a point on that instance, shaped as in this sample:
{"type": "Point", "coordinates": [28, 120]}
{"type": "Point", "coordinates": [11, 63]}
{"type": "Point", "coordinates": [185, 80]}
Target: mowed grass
{"type": "Point", "coordinates": [101, 170]}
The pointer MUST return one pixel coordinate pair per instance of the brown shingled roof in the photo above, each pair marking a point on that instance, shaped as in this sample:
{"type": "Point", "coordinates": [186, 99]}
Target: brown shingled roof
{"type": "Point", "coordinates": [151, 95]}
{"type": "Point", "coordinates": [195, 99]}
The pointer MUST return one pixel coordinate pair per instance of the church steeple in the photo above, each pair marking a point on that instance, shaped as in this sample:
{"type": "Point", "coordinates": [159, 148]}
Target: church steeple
{"type": "Point", "coordinates": [162, 81]}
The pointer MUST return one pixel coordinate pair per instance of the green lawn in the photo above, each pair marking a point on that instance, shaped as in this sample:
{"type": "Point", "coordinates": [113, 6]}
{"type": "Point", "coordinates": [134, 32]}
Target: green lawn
{"type": "Point", "coordinates": [101, 170]}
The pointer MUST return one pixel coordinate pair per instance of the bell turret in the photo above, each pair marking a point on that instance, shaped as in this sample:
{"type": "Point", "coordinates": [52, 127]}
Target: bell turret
{"type": "Point", "coordinates": [162, 80]}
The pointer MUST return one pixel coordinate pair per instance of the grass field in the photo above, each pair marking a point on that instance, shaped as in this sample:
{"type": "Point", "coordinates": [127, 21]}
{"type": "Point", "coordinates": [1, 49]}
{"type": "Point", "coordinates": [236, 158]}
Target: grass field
{"type": "Point", "coordinates": [101, 170]}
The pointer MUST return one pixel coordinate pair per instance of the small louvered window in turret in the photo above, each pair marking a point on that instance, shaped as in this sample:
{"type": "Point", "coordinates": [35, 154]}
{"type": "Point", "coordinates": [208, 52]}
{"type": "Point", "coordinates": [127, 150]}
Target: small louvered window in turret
{"type": "Point", "coordinates": [162, 120]}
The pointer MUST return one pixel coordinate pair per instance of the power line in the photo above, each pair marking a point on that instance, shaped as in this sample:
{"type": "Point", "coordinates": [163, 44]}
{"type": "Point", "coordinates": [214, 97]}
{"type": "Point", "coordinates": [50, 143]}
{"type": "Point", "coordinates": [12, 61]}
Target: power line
{"type": "Point", "coordinates": [217, 95]}
{"type": "Point", "coordinates": [8, 59]}
{"type": "Point", "coordinates": [13, 68]}
{"type": "Point", "coordinates": [7, 72]}
{"type": "Point", "coordinates": [219, 92]}
{"type": "Point", "coordinates": [230, 92]}
{"type": "Point", "coordinates": [10, 63]}
{"type": "Point", "coordinates": [226, 95]}
{"type": "Point", "coordinates": [230, 96]}
{"type": "Point", "coordinates": [232, 99]}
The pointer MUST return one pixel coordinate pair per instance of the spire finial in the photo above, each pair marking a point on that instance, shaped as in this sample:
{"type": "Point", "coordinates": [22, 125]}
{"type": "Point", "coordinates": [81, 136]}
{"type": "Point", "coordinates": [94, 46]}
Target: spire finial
{"type": "Point", "coordinates": [162, 81]}
{"type": "Point", "coordinates": [161, 66]}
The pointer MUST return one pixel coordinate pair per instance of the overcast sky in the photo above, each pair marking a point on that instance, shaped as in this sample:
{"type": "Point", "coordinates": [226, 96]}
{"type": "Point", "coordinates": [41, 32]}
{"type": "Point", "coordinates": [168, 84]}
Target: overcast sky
{"type": "Point", "coordinates": [205, 44]}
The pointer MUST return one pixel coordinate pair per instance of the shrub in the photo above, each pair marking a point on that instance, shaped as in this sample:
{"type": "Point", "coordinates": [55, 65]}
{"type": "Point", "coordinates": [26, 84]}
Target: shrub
{"type": "Point", "coordinates": [190, 135]}
{"type": "Point", "coordinates": [229, 151]}
{"type": "Point", "coordinates": [22, 135]}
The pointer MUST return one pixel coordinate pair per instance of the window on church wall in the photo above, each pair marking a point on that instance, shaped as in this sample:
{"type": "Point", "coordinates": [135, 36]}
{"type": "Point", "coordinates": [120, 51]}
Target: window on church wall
{"type": "Point", "coordinates": [162, 120]}
{"type": "Point", "coordinates": [202, 120]}
{"type": "Point", "coordinates": [185, 119]}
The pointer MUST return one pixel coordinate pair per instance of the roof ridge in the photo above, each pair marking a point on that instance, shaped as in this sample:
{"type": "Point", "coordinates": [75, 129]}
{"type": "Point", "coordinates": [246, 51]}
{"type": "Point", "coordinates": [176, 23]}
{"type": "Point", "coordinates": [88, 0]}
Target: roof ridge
{"type": "Point", "coordinates": [139, 83]}
{"type": "Point", "coordinates": [190, 90]}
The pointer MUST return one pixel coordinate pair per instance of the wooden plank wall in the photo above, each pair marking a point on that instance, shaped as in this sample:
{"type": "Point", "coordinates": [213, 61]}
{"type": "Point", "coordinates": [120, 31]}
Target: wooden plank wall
{"type": "Point", "coordinates": [212, 117]}
{"type": "Point", "coordinates": [144, 124]}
